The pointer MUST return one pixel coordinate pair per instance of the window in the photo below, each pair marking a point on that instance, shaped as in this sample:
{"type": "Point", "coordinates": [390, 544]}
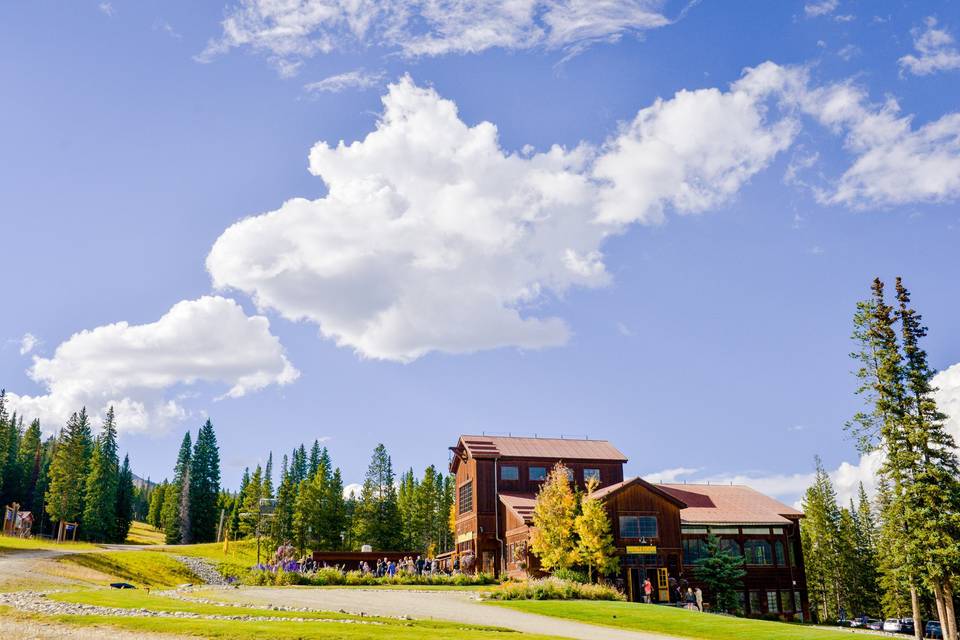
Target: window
{"type": "Point", "coordinates": [772, 602]}
{"type": "Point", "coordinates": [538, 473]}
{"type": "Point", "coordinates": [792, 555]}
{"type": "Point", "coordinates": [732, 531]}
{"type": "Point", "coordinates": [731, 546]}
{"type": "Point", "coordinates": [778, 553]}
{"type": "Point", "coordinates": [509, 473]}
{"type": "Point", "coordinates": [694, 550]}
{"type": "Point", "coordinates": [757, 552]}
{"type": "Point", "coordinates": [686, 529]}
{"type": "Point", "coordinates": [755, 530]}
{"type": "Point", "coordinates": [638, 527]}
{"type": "Point", "coordinates": [786, 600]}
{"type": "Point", "coordinates": [589, 474]}
{"type": "Point", "coordinates": [755, 602]}
{"type": "Point", "coordinates": [797, 602]}
{"type": "Point", "coordinates": [465, 497]}
{"type": "Point", "coordinates": [569, 473]}
{"type": "Point", "coordinates": [777, 531]}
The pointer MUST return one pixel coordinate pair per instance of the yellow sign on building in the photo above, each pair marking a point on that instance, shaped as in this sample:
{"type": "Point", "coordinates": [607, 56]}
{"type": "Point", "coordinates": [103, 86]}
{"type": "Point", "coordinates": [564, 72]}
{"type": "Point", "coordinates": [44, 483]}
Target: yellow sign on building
{"type": "Point", "coordinates": [641, 549]}
{"type": "Point", "coordinates": [465, 537]}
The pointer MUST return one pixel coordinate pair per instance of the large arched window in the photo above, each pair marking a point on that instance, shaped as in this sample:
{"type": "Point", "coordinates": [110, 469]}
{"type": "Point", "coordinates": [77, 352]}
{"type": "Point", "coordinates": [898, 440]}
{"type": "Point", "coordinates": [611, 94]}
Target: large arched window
{"type": "Point", "coordinates": [758, 552]}
{"type": "Point", "coordinates": [731, 546]}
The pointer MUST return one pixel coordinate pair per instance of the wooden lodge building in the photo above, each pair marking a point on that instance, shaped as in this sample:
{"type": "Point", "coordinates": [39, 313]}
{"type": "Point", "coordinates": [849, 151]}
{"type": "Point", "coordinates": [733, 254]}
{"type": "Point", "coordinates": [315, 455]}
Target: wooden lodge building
{"type": "Point", "coordinates": [659, 530]}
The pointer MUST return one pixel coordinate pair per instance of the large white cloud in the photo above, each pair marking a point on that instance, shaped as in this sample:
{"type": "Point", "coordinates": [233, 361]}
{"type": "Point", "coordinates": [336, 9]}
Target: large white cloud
{"type": "Point", "coordinates": [288, 31]}
{"type": "Point", "coordinates": [139, 369]}
{"type": "Point", "coordinates": [433, 237]}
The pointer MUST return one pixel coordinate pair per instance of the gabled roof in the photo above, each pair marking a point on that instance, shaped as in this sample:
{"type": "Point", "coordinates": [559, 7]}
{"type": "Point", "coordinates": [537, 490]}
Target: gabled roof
{"type": "Point", "coordinates": [552, 448]}
{"type": "Point", "coordinates": [521, 504]}
{"type": "Point", "coordinates": [640, 482]}
{"type": "Point", "coordinates": [729, 504]}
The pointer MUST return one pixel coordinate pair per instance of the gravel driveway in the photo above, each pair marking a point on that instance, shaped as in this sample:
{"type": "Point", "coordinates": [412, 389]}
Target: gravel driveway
{"type": "Point", "coordinates": [454, 606]}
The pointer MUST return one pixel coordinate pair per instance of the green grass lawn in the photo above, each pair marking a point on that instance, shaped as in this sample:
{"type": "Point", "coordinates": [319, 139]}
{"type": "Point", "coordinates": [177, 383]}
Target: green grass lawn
{"type": "Point", "coordinates": [142, 568]}
{"type": "Point", "coordinates": [143, 533]}
{"type": "Point", "coordinates": [9, 544]}
{"type": "Point", "coordinates": [671, 621]}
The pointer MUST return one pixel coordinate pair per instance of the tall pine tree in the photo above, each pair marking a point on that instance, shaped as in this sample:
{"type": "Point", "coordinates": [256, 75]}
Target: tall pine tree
{"type": "Point", "coordinates": [100, 507]}
{"type": "Point", "coordinates": [204, 485]}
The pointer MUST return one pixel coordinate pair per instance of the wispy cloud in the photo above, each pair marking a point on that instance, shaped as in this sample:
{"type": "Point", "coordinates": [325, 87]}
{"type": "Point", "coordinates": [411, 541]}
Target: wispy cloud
{"type": "Point", "coordinates": [936, 50]}
{"type": "Point", "coordinates": [356, 79]}
{"type": "Point", "coordinates": [165, 27]}
{"type": "Point", "coordinates": [106, 8]}
{"type": "Point", "coordinates": [28, 343]}
{"type": "Point", "coordinates": [822, 8]}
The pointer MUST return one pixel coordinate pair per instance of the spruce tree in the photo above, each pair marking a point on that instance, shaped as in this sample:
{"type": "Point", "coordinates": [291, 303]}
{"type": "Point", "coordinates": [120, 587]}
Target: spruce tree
{"type": "Point", "coordinates": [268, 477]}
{"type": "Point", "coordinates": [29, 460]}
{"type": "Point", "coordinates": [173, 516]}
{"type": "Point", "coordinates": [721, 573]}
{"type": "Point", "coordinates": [124, 501]}
{"type": "Point", "coordinates": [823, 549]}
{"type": "Point", "coordinates": [68, 470]}
{"type": "Point", "coordinates": [376, 518]}
{"type": "Point", "coordinates": [250, 504]}
{"type": "Point", "coordinates": [313, 463]}
{"type": "Point", "coordinates": [204, 488]}
{"type": "Point", "coordinates": [100, 507]}
{"type": "Point", "coordinates": [156, 505]}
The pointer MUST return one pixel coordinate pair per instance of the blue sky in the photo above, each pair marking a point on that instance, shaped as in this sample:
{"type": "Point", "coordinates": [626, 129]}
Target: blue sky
{"type": "Point", "coordinates": [677, 275]}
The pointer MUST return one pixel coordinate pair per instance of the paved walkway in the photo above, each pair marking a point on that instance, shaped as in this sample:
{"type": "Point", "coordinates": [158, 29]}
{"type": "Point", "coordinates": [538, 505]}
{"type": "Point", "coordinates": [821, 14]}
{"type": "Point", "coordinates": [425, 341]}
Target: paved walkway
{"type": "Point", "coordinates": [452, 606]}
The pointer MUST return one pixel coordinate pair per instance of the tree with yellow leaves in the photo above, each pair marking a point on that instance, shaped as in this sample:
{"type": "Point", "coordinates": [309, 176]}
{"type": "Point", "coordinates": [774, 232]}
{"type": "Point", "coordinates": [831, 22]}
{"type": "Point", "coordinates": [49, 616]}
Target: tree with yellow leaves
{"type": "Point", "coordinates": [595, 546]}
{"type": "Point", "coordinates": [553, 519]}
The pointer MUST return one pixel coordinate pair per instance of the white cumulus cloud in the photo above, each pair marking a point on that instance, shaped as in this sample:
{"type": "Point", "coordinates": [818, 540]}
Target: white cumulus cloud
{"type": "Point", "coordinates": [936, 51]}
{"type": "Point", "coordinates": [288, 32]}
{"type": "Point", "coordinates": [822, 8]}
{"type": "Point", "coordinates": [139, 368]}
{"type": "Point", "coordinates": [434, 238]}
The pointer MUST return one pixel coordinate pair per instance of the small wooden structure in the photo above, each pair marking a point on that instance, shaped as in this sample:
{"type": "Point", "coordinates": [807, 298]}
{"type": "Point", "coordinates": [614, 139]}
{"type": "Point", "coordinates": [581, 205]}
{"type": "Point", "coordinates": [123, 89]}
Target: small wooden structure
{"type": "Point", "coordinates": [15, 522]}
{"type": "Point", "coordinates": [67, 530]}
{"type": "Point", "coordinates": [352, 560]}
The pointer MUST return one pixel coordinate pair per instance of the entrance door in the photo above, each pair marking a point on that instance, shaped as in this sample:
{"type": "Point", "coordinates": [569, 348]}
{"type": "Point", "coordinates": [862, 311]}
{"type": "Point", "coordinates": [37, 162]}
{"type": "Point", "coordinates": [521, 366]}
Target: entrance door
{"type": "Point", "coordinates": [635, 579]}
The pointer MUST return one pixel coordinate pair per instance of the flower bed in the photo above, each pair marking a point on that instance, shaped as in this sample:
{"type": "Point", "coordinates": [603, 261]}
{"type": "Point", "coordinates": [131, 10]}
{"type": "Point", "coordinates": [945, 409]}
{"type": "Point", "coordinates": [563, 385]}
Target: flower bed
{"type": "Point", "coordinates": [330, 576]}
{"type": "Point", "coordinates": [554, 589]}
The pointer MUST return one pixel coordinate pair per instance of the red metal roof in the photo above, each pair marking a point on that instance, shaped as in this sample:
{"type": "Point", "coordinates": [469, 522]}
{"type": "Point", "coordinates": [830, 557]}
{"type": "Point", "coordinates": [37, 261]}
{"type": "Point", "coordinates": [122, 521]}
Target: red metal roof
{"type": "Point", "coordinates": [620, 486]}
{"type": "Point", "coordinates": [553, 448]}
{"type": "Point", "coordinates": [521, 504]}
{"type": "Point", "coordinates": [729, 504]}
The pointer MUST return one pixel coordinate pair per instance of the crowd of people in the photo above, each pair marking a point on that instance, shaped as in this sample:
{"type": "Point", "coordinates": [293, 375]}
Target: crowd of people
{"type": "Point", "coordinates": [409, 565]}
{"type": "Point", "coordinates": [285, 556]}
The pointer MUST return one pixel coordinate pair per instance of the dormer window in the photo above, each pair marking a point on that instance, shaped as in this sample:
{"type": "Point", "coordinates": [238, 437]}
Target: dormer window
{"type": "Point", "coordinates": [538, 474]}
{"type": "Point", "coordinates": [509, 472]}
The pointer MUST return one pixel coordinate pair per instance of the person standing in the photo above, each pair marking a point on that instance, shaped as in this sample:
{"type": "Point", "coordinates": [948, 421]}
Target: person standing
{"type": "Point", "coordinates": [699, 595]}
{"type": "Point", "coordinates": [647, 590]}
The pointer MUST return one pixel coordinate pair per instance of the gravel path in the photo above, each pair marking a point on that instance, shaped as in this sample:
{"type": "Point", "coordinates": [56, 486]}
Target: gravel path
{"type": "Point", "coordinates": [37, 630]}
{"type": "Point", "coordinates": [203, 569]}
{"type": "Point", "coordinates": [438, 605]}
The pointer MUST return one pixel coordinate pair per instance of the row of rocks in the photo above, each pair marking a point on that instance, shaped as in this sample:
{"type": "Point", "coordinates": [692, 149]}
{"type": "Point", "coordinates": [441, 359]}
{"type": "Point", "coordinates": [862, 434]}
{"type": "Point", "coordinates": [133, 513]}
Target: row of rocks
{"type": "Point", "coordinates": [36, 602]}
{"type": "Point", "coordinates": [203, 569]}
{"type": "Point", "coordinates": [183, 593]}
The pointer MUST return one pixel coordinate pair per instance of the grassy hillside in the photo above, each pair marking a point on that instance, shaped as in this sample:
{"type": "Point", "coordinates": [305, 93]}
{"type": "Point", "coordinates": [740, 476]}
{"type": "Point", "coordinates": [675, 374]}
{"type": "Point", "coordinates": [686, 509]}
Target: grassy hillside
{"type": "Point", "coordinates": [141, 568]}
{"type": "Point", "coordinates": [143, 533]}
{"type": "Point", "coordinates": [11, 545]}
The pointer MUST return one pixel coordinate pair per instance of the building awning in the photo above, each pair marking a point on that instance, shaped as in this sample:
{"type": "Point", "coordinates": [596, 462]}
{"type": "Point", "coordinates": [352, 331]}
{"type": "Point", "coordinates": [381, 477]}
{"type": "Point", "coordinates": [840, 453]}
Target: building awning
{"type": "Point", "coordinates": [521, 505]}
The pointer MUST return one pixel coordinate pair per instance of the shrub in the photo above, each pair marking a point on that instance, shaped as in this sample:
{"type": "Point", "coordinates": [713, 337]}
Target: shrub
{"type": "Point", "coordinates": [263, 575]}
{"type": "Point", "coordinates": [571, 575]}
{"type": "Point", "coordinates": [554, 588]}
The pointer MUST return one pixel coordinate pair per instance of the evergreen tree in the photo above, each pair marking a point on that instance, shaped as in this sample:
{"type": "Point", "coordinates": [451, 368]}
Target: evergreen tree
{"type": "Point", "coordinates": [250, 504]}
{"type": "Point", "coordinates": [721, 573]}
{"type": "Point", "coordinates": [823, 550]}
{"type": "Point", "coordinates": [376, 518]}
{"type": "Point", "coordinates": [174, 502]}
{"type": "Point", "coordinates": [553, 516]}
{"type": "Point", "coordinates": [156, 505]}
{"type": "Point", "coordinates": [335, 525]}
{"type": "Point", "coordinates": [865, 545]}
{"type": "Point", "coordinates": [268, 477]}
{"type": "Point", "coordinates": [29, 460]}
{"type": "Point", "coordinates": [204, 490]}
{"type": "Point", "coordinates": [124, 501]}
{"type": "Point", "coordinates": [314, 461]}
{"type": "Point", "coordinates": [68, 470]}
{"type": "Point", "coordinates": [282, 525]}
{"type": "Point", "coordinates": [10, 433]}
{"type": "Point", "coordinates": [100, 507]}
{"type": "Point", "coordinates": [595, 547]}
